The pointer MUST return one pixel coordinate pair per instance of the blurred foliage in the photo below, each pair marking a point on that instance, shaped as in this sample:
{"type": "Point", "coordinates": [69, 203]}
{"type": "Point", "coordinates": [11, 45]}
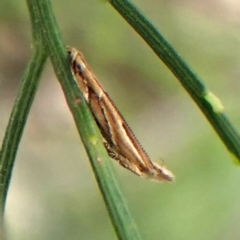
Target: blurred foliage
{"type": "Point", "coordinates": [203, 201]}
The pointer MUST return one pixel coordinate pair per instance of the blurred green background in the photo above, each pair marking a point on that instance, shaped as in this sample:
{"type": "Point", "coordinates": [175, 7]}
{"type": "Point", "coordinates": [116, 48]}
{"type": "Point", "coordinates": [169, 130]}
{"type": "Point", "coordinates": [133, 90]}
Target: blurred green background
{"type": "Point", "coordinates": [53, 193]}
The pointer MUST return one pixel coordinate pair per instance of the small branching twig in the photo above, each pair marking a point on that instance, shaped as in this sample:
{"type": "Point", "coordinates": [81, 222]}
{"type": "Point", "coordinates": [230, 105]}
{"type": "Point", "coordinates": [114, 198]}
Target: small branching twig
{"type": "Point", "coordinates": [209, 104]}
{"type": "Point", "coordinates": [18, 120]}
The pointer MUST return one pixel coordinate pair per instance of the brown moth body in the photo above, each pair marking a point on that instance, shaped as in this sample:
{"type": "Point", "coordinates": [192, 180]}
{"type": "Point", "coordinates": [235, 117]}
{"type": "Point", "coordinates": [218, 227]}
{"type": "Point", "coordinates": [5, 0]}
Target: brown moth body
{"type": "Point", "coordinates": [119, 140]}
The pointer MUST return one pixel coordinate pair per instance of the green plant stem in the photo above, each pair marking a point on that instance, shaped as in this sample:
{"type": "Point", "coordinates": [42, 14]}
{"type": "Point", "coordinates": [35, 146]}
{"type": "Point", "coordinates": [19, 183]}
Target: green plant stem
{"type": "Point", "coordinates": [123, 223]}
{"type": "Point", "coordinates": [18, 120]}
{"type": "Point", "coordinates": [189, 80]}
{"type": "Point", "coordinates": [20, 112]}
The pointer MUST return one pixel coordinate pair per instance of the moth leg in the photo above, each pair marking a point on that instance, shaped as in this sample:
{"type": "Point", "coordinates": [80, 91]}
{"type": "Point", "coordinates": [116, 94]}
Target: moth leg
{"type": "Point", "coordinates": [121, 160]}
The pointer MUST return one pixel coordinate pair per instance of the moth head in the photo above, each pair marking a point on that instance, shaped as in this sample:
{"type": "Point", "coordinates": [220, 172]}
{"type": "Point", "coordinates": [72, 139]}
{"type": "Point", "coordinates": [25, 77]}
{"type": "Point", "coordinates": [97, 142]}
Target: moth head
{"type": "Point", "coordinates": [71, 53]}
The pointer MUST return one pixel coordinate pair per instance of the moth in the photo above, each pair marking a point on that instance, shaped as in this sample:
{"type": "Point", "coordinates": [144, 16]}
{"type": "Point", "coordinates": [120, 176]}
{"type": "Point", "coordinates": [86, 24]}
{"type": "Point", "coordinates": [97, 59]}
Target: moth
{"type": "Point", "coordinates": [118, 138]}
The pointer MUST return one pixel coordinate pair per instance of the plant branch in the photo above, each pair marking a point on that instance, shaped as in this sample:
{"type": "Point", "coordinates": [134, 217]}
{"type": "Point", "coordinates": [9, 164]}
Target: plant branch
{"type": "Point", "coordinates": [18, 120]}
{"type": "Point", "coordinates": [86, 126]}
{"type": "Point", "coordinates": [209, 104]}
